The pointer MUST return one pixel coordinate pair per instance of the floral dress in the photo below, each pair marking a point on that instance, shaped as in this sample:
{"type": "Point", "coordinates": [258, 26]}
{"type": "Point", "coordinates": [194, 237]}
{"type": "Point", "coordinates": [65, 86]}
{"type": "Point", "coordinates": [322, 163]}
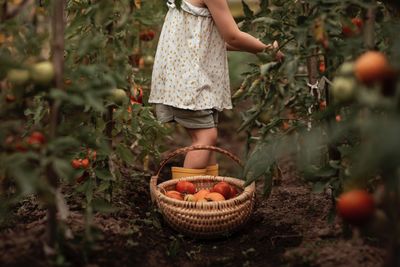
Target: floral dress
{"type": "Point", "coordinates": [190, 69]}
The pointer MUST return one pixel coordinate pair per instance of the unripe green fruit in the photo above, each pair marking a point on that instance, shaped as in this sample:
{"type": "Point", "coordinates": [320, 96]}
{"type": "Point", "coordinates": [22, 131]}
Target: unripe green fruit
{"type": "Point", "coordinates": [343, 89]}
{"type": "Point", "coordinates": [18, 76]}
{"type": "Point", "coordinates": [118, 96]}
{"type": "Point", "coordinates": [42, 73]}
{"type": "Point", "coordinates": [149, 60]}
{"type": "Point", "coordinates": [346, 69]}
{"type": "Point", "coordinates": [265, 117]}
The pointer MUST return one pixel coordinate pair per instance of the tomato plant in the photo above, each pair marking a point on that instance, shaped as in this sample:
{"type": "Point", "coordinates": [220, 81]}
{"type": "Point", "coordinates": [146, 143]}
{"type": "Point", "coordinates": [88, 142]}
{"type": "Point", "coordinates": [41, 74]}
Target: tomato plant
{"type": "Point", "coordinates": [65, 105]}
{"type": "Point", "coordinates": [337, 120]}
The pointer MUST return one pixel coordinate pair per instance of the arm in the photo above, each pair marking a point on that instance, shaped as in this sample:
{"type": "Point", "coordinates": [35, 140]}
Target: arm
{"type": "Point", "coordinates": [231, 48]}
{"type": "Point", "coordinates": [230, 31]}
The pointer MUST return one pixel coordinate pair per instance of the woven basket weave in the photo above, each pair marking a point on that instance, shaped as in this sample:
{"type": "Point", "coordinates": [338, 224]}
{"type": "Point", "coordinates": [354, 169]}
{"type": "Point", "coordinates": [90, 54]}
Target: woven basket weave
{"type": "Point", "coordinates": [203, 219]}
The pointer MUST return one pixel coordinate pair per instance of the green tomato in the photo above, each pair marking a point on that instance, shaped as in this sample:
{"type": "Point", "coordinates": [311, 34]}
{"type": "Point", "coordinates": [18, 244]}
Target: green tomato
{"type": "Point", "coordinates": [343, 89]}
{"type": "Point", "coordinates": [149, 60]}
{"type": "Point", "coordinates": [346, 69]}
{"type": "Point", "coordinates": [43, 73]}
{"type": "Point", "coordinates": [265, 117]}
{"type": "Point", "coordinates": [18, 76]}
{"type": "Point", "coordinates": [118, 96]}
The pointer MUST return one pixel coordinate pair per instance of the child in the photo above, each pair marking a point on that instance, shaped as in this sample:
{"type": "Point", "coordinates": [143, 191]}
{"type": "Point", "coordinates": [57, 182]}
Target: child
{"type": "Point", "coordinates": [190, 81]}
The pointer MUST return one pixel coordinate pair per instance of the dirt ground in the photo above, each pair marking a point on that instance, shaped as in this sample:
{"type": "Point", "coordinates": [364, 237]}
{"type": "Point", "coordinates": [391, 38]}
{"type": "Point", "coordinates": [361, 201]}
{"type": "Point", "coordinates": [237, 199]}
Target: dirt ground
{"type": "Point", "coordinates": [289, 229]}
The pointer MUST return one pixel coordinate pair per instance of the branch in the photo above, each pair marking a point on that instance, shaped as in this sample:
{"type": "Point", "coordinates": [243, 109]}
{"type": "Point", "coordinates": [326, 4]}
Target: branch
{"type": "Point", "coordinates": [58, 25]}
{"type": "Point", "coordinates": [369, 34]}
{"type": "Point", "coordinates": [58, 22]}
{"type": "Point", "coordinates": [285, 43]}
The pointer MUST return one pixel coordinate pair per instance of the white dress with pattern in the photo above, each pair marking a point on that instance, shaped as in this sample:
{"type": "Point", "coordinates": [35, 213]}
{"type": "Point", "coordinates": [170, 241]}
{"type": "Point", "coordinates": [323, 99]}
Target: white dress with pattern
{"type": "Point", "coordinates": [190, 69]}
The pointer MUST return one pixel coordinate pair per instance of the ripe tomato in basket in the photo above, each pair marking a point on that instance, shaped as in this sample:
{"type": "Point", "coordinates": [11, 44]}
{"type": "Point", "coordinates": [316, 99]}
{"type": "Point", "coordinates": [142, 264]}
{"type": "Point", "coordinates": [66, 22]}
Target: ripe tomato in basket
{"type": "Point", "coordinates": [185, 187]}
{"type": "Point", "coordinates": [223, 188]}
{"type": "Point", "coordinates": [234, 192]}
{"type": "Point", "coordinates": [174, 194]}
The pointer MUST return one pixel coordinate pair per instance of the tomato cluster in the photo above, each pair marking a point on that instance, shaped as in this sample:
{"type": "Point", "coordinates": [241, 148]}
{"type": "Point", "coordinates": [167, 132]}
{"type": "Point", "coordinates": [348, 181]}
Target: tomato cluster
{"type": "Point", "coordinates": [354, 28]}
{"type": "Point", "coordinates": [35, 140]}
{"type": "Point", "coordinates": [187, 191]}
{"type": "Point", "coordinates": [147, 35]}
{"type": "Point", "coordinates": [84, 163]}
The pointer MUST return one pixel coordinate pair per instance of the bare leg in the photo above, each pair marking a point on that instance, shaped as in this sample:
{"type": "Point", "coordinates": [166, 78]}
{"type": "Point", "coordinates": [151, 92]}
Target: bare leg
{"type": "Point", "coordinates": [200, 159]}
{"type": "Point", "coordinates": [213, 158]}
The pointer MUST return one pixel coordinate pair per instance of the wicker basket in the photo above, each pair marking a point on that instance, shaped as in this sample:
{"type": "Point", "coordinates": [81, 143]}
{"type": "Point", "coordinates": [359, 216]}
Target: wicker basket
{"type": "Point", "coordinates": [203, 219]}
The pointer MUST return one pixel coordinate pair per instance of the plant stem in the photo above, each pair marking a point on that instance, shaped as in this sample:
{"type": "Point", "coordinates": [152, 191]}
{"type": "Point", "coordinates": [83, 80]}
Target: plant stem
{"type": "Point", "coordinates": [58, 62]}
{"type": "Point", "coordinates": [369, 30]}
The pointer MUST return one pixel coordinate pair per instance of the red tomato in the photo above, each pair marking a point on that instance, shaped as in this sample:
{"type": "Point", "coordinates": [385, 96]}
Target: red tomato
{"type": "Point", "coordinates": [234, 192]}
{"type": "Point", "coordinates": [349, 30]}
{"type": "Point", "coordinates": [36, 138]}
{"type": "Point", "coordinates": [322, 67]}
{"type": "Point", "coordinates": [185, 187]}
{"type": "Point", "coordinates": [76, 163]}
{"type": "Point", "coordinates": [85, 163]}
{"type": "Point", "coordinates": [358, 23]}
{"type": "Point", "coordinates": [222, 188]}
{"type": "Point", "coordinates": [322, 105]}
{"type": "Point", "coordinates": [137, 97]}
{"type": "Point", "coordinates": [19, 146]}
{"type": "Point", "coordinates": [147, 35]}
{"type": "Point", "coordinates": [10, 98]}
{"type": "Point", "coordinates": [356, 206]}
{"type": "Point", "coordinates": [91, 153]}
{"type": "Point", "coordinates": [285, 125]}
{"type": "Point", "coordinates": [371, 67]}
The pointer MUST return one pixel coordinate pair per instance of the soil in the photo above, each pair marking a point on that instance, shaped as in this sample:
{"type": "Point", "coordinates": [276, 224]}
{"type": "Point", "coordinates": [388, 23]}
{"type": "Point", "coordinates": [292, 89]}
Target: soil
{"type": "Point", "coordinates": [290, 228]}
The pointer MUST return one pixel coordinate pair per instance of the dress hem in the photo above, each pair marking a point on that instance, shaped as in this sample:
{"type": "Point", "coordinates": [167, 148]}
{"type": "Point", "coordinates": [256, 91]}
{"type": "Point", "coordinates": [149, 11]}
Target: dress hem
{"type": "Point", "coordinates": [190, 107]}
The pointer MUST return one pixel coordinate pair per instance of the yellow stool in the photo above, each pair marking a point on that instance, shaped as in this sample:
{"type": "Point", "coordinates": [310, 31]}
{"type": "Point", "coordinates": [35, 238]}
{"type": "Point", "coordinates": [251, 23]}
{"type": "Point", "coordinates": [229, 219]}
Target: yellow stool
{"type": "Point", "coordinates": [180, 172]}
{"type": "Point", "coordinates": [212, 170]}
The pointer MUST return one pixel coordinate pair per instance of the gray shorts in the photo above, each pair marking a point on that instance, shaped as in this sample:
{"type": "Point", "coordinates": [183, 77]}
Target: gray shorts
{"type": "Point", "coordinates": [191, 119]}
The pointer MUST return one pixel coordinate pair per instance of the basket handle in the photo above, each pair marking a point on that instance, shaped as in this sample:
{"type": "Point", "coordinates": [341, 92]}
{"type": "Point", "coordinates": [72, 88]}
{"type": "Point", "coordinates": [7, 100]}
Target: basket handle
{"type": "Point", "coordinates": [184, 150]}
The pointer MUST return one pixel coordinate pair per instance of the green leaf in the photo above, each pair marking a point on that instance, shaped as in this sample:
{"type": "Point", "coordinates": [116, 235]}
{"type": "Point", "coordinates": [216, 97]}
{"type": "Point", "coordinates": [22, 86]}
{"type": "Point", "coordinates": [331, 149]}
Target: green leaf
{"type": "Point", "coordinates": [264, 7]}
{"type": "Point", "coordinates": [332, 214]}
{"type": "Point", "coordinates": [58, 94]}
{"type": "Point", "coordinates": [246, 10]}
{"type": "Point", "coordinates": [265, 20]}
{"type": "Point", "coordinates": [94, 102]}
{"type": "Point", "coordinates": [103, 187]}
{"type": "Point", "coordinates": [291, 67]}
{"type": "Point", "coordinates": [259, 162]}
{"type": "Point", "coordinates": [63, 169]}
{"type": "Point", "coordinates": [267, 189]}
{"type": "Point", "coordinates": [22, 167]}
{"type": "Point", "coordinates": [319, 187]}
{"type": "Point", "coordinates": [62, 144]}
{"type": "Point", "coordinates": [104, 174]}
{"type": "Point", "coordinates": [124, 153]}
{"type": "Point", "coordinates": [266, 67]}
{"type": "Point", "coordinates": [102, 205]}
{"type": "Point", "coordinates": [89, 190]}
{"type": "Point", "coordinates": [264, 57]}
{"type": "Point", "coordinates": [82, 188]}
